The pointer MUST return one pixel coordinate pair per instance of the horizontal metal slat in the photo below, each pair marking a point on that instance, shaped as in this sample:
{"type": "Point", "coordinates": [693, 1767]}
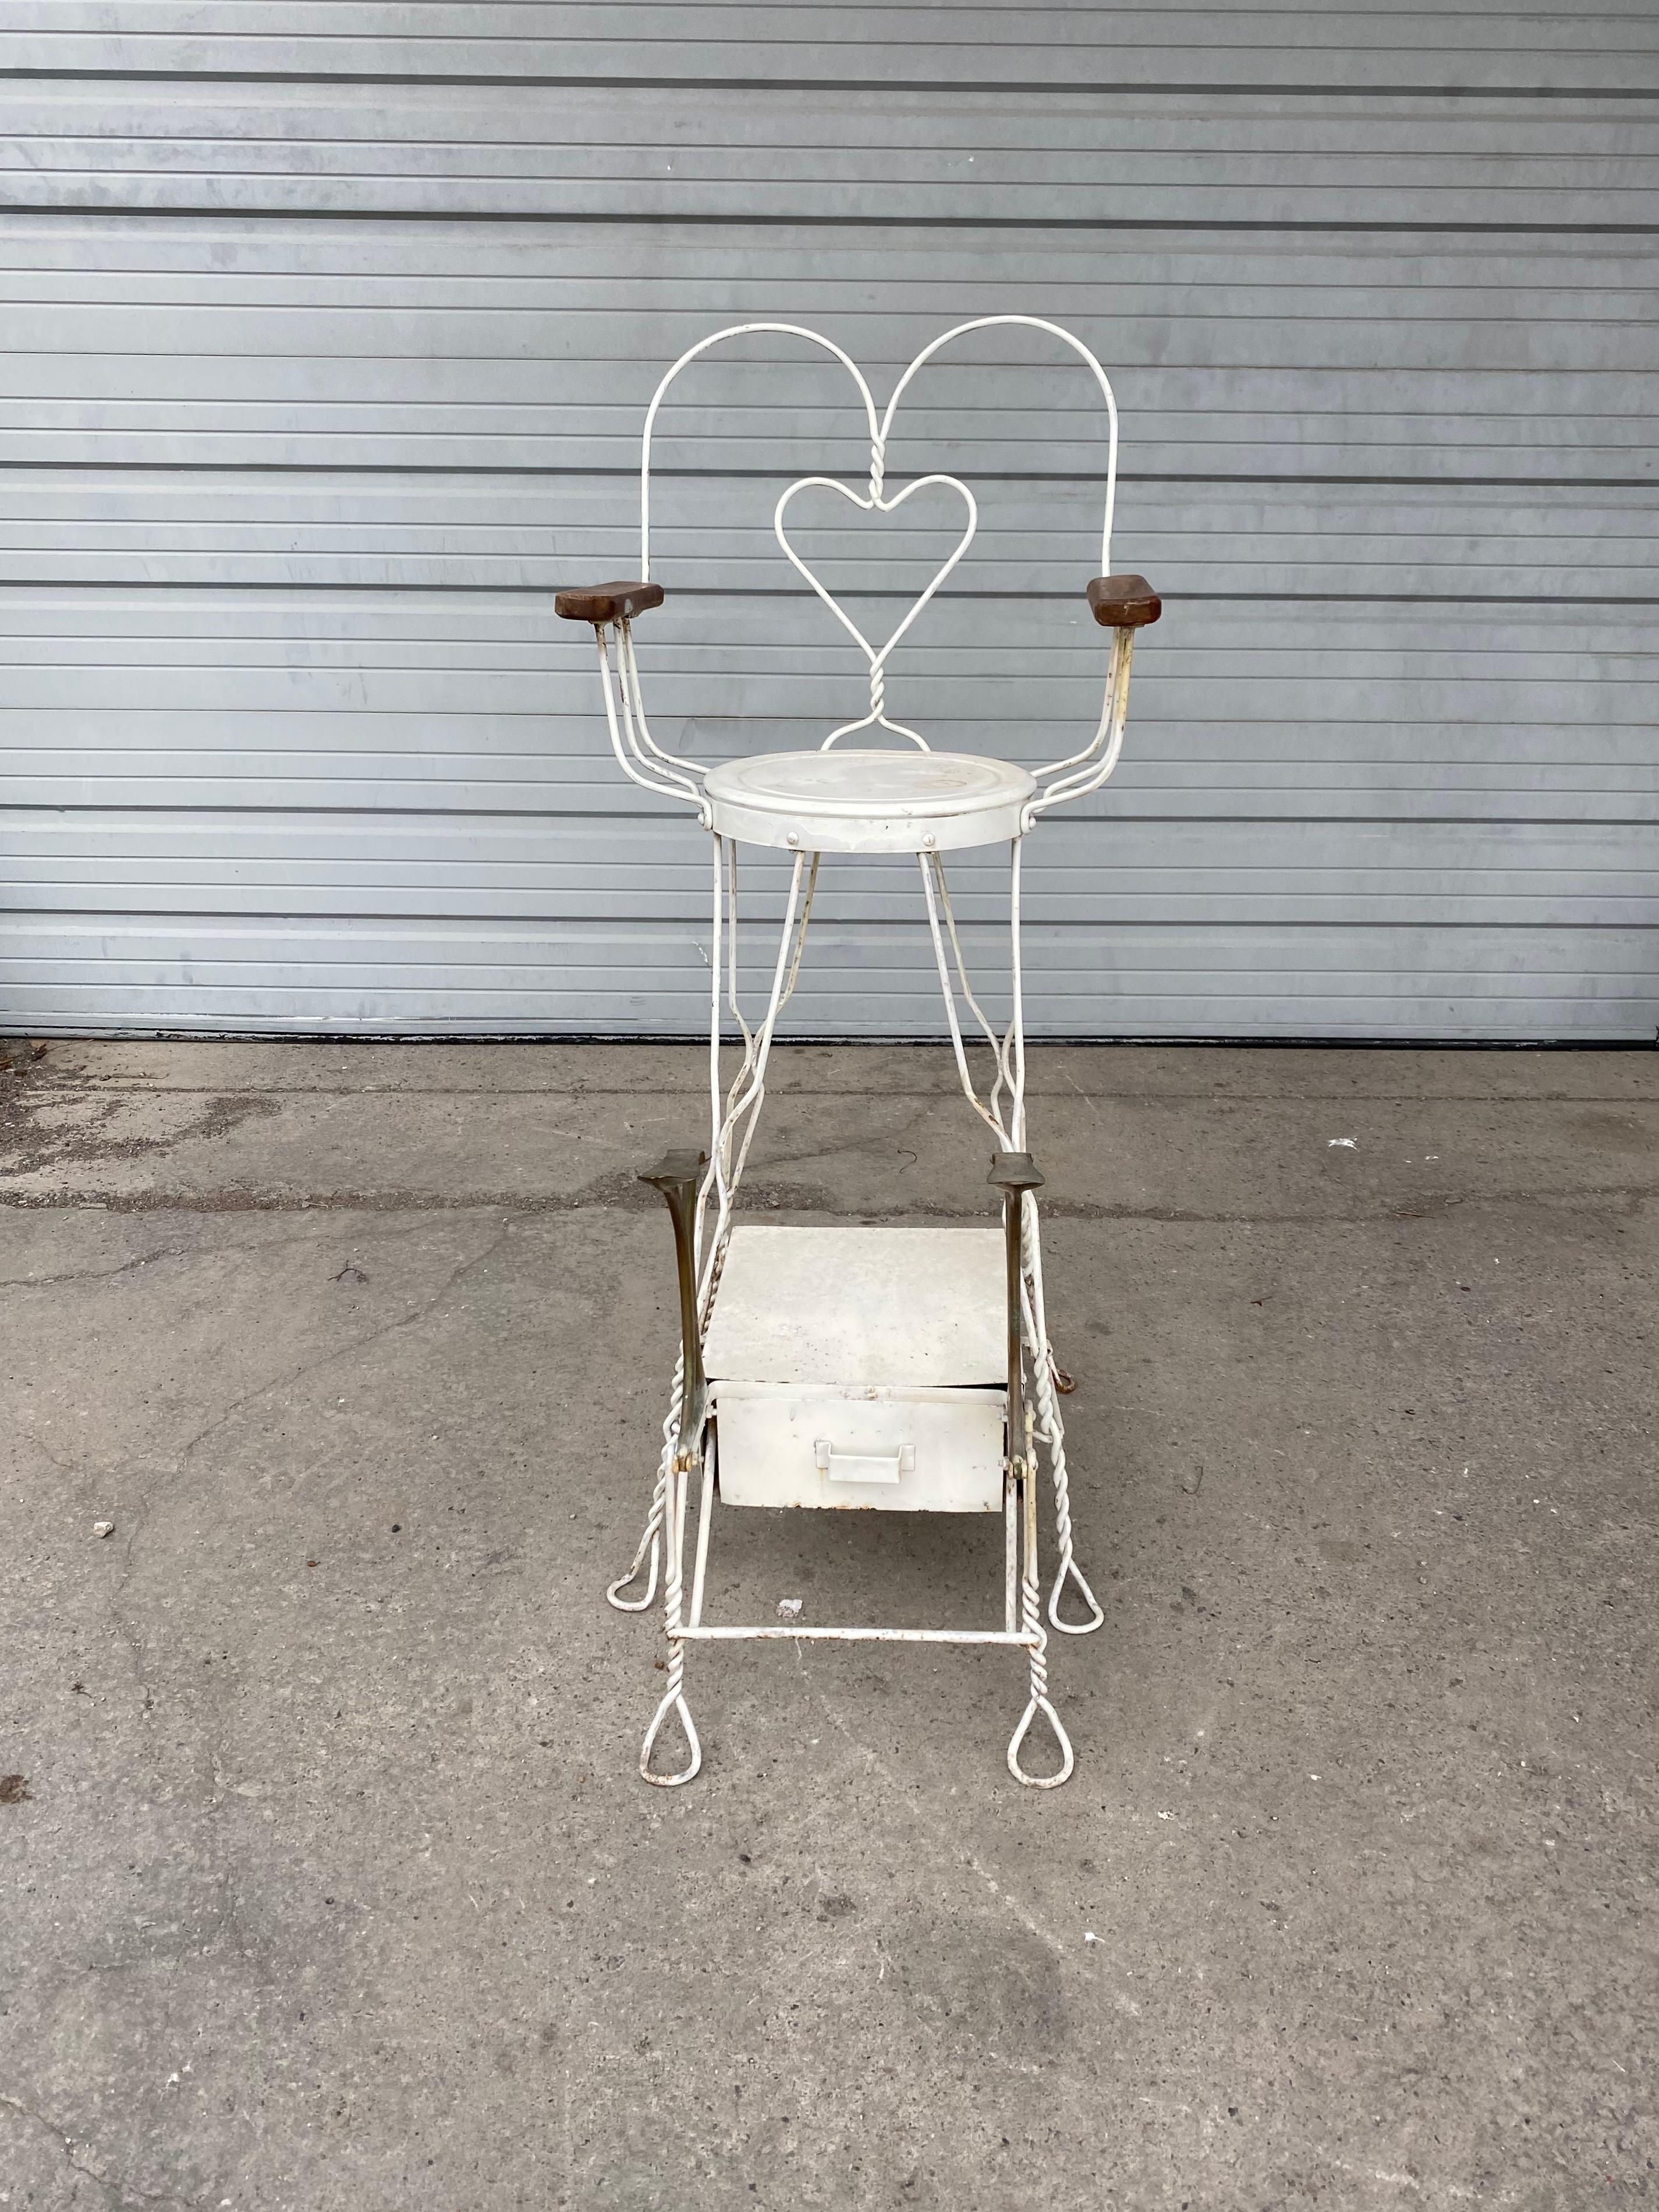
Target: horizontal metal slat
{"type": "Point", "coordinates": [1377, 45]}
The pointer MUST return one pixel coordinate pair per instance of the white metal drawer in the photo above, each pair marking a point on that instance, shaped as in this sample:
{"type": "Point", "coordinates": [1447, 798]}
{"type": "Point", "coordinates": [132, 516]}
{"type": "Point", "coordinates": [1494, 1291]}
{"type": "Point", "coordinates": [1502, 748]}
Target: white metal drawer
{"type": "Point", "coordinates": [915, 1449]}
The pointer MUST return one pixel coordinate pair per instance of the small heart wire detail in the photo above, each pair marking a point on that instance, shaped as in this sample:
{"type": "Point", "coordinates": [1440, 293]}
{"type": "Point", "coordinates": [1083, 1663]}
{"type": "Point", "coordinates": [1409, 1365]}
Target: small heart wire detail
{"type": "Point", "coordinates": [877, 656]}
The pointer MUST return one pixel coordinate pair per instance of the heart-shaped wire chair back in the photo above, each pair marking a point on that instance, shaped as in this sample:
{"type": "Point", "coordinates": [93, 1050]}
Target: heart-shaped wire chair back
{"type": "Point", "coordinates": [877, 501]}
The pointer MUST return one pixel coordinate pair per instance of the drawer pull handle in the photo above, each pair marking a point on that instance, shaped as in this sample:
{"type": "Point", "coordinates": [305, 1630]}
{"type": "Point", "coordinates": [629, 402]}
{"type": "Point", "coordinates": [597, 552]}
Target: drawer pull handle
{"type": "Point", "coordinates": [863, 1466]}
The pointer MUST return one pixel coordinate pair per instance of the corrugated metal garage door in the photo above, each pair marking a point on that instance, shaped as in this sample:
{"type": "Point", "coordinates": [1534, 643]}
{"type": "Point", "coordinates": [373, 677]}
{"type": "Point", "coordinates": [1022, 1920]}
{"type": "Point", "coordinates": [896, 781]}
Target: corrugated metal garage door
{"type": "Point", "coordinates": [328, 329]}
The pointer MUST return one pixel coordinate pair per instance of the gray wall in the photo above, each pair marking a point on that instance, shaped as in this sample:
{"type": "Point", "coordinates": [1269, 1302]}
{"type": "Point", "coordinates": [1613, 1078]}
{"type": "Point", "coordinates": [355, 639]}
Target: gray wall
{"type": "Point", "coordinates": [326, 356]}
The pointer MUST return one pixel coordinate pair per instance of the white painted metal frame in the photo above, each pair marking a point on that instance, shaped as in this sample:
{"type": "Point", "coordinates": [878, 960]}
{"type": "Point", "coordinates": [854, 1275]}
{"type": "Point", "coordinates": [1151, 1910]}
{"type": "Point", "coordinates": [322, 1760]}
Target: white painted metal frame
{"type": "Point", "coordinates": [734, 1106]}
{"type": "Point", "coordinates": [671, 775]}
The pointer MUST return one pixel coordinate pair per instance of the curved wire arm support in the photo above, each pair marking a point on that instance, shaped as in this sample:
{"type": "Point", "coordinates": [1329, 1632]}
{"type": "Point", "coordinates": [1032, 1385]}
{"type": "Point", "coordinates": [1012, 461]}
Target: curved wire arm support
{"type": "Point", "coordinates": [634, 699]}
{"type": "Point", "coordinates": [666, 782]}
{"type": "Point", "coordinates": [1088, 772]}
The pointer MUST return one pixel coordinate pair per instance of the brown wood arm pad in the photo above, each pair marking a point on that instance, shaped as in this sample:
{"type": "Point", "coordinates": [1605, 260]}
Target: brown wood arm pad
{"type": "Point", "coordinates": [604, 603]}
{"type": "Point", "coordinates": [1123, 602]}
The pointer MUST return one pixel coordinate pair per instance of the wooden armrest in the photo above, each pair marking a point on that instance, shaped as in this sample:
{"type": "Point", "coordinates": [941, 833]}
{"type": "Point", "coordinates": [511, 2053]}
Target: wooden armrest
{"type": "Point", "coordinates": [604, 603]}
{"type": "Point", "coordinates": [1124, 602]}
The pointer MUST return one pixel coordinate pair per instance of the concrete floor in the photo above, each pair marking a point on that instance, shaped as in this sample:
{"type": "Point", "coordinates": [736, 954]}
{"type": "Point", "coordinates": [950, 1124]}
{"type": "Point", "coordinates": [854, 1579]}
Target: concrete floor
{"type": "Point", "coordinates": [330, 1881]}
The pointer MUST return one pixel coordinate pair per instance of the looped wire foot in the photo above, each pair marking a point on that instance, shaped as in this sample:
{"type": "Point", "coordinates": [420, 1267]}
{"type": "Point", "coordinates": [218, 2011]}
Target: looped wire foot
{"type": "Point", "coordinates": [1036, 1705]}
{"type": "Point", "coordinates": [673, 1701]}
{"type": "Point", "coordinates": [1069, 1568]}
{"type": "Point", "coordinates": [613, 1590]}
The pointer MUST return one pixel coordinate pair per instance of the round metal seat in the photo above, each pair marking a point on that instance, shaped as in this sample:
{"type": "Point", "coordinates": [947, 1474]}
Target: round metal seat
{"type": "Point", "coordinates": [867, 801]}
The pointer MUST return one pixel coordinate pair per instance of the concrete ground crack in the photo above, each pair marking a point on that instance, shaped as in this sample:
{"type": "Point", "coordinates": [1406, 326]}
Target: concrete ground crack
{"type": "Point", "coordinates": [344, 1351]}
{"type": "Point", "coordinates": [124, 1627]}
{"type": "Point", "coordinates": [94, 1274]}
{"type": "Point", "coordinates": [118, 2193]}
{"type": "Point", "coordinates": [70, 1467]}
{"type": "Point", "coordinates": [231, 1924]}
{"type": "Point", "coordinates": [943, 1838]}
{"type": "Point", "coordinates": [617, 1196]}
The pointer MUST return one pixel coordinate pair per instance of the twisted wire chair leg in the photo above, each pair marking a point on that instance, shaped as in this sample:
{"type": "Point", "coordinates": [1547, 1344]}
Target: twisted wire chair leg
{"type": "Point", "coordinates": [665, 1528]}
{"type": "Point", "coordinates": [648, 1541]}
{"type": "Point", "coordinates": [673, 1698]}
{"type": "Point", "coordinates": [1051, 1428]}
{"type": "Point", "coordinates": [1030, 1608]}
{"type": "Point", "coordinates": [651, 1539]}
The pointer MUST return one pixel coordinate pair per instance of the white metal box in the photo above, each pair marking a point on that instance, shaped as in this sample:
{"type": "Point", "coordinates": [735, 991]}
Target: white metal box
{"type": "Point", "coordinates": [861, 1368]}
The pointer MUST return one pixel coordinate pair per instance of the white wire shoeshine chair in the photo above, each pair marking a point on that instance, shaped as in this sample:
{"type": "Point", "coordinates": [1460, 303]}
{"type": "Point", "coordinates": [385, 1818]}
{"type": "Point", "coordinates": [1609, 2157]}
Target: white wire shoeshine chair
{"type": "Point", "coordinates": [863, 799]}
